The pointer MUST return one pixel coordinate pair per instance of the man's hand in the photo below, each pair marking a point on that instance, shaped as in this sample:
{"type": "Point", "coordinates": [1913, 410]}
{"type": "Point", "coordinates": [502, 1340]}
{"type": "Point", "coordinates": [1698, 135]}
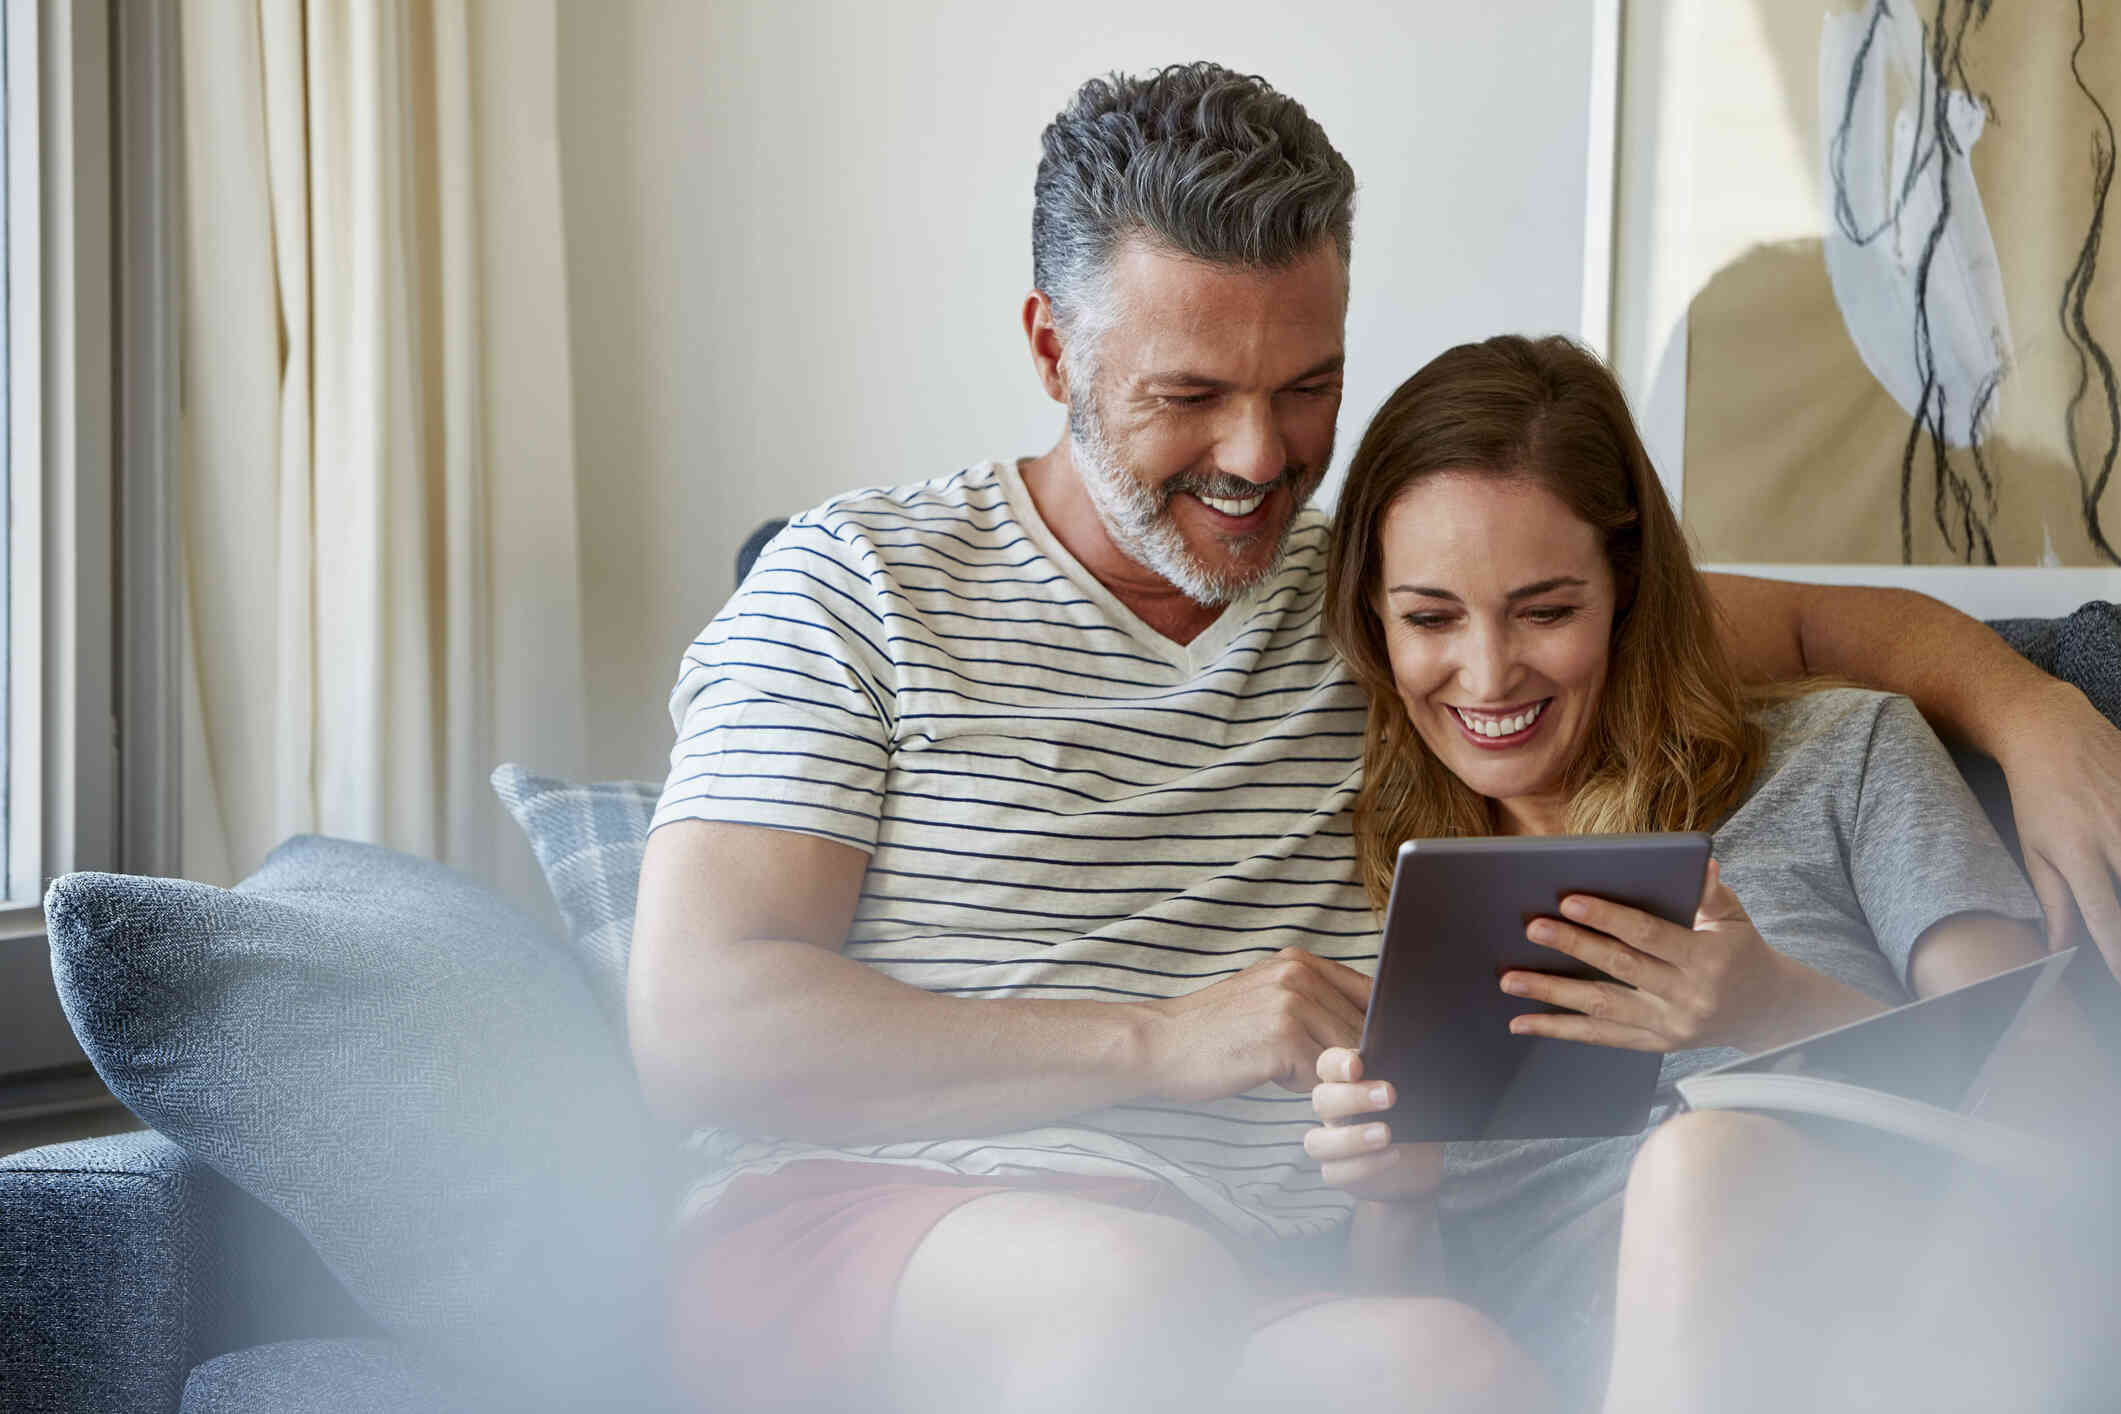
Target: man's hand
{"type": "Point", "coordinates": [1269, 1022]}
{"type": "Point", "coordinates": [1354, 1148]}
{"type": "Point", "coordinates": [2062, 761]}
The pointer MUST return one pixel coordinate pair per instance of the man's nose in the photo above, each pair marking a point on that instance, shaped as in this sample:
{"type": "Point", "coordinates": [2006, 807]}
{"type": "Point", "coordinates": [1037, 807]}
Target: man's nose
{"type": "Point", "coordinates": [1252, 445]}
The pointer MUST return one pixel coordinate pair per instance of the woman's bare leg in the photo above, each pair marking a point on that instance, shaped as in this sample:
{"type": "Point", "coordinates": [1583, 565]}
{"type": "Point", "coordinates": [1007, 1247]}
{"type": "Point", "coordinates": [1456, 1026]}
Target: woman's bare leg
{"type": "Point", "coordinates": [1388, 1353]}
{"type": "Point", "coordinates": [1707, 1309]}
{"type": "Point", "coordinates": [1763, 1269]}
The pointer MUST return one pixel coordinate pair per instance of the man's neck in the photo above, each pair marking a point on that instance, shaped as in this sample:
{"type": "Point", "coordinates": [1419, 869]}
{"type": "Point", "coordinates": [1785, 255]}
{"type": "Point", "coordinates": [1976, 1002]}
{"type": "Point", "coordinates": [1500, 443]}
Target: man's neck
{"type": "Point", "coordinates": [1056, 490]}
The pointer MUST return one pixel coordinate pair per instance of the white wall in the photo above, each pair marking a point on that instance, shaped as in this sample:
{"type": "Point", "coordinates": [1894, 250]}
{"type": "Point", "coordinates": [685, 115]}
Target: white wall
{"type": "Point", "coordinates": [798, 238]}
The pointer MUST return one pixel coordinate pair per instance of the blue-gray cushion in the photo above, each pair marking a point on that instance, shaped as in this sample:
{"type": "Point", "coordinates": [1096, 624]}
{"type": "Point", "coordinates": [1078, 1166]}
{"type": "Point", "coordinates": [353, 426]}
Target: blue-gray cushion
{"type": "Point", "coordinates": [408, 1070]}
{"type": "Point", "coordinates": [328, 1377]}
{"type": "Point", "coordinates": [588, 840]}
{"type": "Point", "coordinates": [2082, 648]}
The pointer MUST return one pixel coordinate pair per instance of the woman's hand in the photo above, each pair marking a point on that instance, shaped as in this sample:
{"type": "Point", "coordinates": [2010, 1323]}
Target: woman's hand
{"type": "Point", "coordinates": [1715, 984]}
{"type": "Point", "coordinates": [1356, 1152]}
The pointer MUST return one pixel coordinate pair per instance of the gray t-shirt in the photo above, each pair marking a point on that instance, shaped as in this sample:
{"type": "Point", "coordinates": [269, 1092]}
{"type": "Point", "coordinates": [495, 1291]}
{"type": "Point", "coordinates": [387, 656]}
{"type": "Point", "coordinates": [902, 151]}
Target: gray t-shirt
{"type": "Point", "coordinates": [1858, 835]}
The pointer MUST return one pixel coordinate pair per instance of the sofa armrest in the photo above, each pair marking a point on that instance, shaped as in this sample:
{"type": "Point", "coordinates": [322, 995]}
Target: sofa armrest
{"type": "Point", "coordinates": [124, 1262]}
{"type": "Point", "coordinates": [100, 1267]}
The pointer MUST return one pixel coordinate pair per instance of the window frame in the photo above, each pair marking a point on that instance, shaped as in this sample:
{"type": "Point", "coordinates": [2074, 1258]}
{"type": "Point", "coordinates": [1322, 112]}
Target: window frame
{"type": "Point", "coordinates": [64, 682]}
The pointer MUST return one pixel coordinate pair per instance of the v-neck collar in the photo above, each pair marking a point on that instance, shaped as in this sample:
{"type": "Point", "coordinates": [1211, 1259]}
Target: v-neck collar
{"type": "Point", "coordinates": [1189, 658]}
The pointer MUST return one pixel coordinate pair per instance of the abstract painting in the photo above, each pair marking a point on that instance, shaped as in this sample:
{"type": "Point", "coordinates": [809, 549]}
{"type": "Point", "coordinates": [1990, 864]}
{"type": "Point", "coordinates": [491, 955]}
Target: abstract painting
{"type": "Point", "coordinates": [1903, 327]}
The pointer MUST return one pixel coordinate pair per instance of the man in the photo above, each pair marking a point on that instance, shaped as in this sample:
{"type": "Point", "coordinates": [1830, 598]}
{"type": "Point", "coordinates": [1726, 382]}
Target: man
{"type": "Point", "coordinates": [1000, 900]}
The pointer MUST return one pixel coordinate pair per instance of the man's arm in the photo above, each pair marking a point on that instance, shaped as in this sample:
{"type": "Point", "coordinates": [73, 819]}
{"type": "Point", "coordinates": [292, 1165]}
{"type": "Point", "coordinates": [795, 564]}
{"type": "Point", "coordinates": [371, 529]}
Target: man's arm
{"type": "Point", "coordinates": [2061, 759]}
{"type": "Point", "coordinates": [742, 1012]}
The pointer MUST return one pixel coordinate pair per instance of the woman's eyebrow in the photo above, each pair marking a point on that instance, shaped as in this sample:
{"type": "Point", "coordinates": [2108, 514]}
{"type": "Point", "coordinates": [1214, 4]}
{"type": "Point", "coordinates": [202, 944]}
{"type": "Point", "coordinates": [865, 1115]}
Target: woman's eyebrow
{"type": "Point", "coordinates": [1529, 591]}
{"type": "Point", "coordinates": [1545, 586]}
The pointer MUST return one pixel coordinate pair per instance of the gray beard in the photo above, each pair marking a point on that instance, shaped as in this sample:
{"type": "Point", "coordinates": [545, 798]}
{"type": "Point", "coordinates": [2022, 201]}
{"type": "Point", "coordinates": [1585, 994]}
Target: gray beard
{"type": "Point", "coordinates": [1140, 522]}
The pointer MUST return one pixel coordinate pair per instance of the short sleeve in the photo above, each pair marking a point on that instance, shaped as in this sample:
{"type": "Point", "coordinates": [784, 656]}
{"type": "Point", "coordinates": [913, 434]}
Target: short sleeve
{"type": "Point", "coordinates": [1922, 848]}
{"type": "Point", "coordinates": [784, 705]}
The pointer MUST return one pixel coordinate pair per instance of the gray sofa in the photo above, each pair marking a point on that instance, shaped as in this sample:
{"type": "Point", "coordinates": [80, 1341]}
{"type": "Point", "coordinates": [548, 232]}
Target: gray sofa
{"type": "Point", "coordinates": [398, 1160]}
{"type": "Point", "coordinates": [138, 1279]}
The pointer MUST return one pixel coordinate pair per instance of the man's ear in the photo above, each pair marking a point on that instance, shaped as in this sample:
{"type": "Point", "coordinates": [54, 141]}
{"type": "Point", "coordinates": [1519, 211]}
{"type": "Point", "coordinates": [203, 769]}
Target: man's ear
{"type": "Point", "coordinates": [1045, 339]}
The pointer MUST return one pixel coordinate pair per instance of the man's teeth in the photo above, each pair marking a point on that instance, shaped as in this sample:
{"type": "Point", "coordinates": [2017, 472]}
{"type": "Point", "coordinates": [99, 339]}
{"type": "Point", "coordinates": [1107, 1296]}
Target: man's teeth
{"type": "Point", "coordinates": [1235, 507]}
{"type": "Point", "coordinates": [1501, 726]}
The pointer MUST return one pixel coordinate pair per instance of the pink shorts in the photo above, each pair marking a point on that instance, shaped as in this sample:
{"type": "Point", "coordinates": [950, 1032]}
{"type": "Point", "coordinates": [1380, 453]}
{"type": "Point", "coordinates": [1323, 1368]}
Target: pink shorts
{"type": "Point", "coordinates": [781, 1293]}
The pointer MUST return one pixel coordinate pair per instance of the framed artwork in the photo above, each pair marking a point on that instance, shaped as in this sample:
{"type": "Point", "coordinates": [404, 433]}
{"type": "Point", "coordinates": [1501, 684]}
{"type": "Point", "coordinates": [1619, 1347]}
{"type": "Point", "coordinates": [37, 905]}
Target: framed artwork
{"type": "Point", "coordinates": [1865, 298]}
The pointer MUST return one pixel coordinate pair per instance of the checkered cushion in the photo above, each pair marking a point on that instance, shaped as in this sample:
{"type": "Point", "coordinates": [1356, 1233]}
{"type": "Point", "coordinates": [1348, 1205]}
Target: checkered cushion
{"type": "Point", "coordinates": [588, 840]}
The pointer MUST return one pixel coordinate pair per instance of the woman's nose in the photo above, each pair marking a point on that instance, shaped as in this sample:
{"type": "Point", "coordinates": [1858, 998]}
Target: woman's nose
{"type": "Point", "coordinates": [1488, 667]}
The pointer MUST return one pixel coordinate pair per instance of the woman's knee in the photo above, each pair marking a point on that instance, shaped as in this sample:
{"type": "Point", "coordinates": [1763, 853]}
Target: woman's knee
{"type": "Point", "coordinates": [1707, 1156]}
{"type": "Point", "coordinates": [1726, 1165]}
{"type": "Point", "coordinates": [1402, 1353]}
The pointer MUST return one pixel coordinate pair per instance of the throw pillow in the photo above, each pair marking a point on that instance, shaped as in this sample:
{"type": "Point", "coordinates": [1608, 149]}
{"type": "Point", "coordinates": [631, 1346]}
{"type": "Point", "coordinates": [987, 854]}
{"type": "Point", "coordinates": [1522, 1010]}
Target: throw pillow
{"type": "Point", "coordinates": [412, 1073]}
{"type": "Point", "coordinates": [588, 840]}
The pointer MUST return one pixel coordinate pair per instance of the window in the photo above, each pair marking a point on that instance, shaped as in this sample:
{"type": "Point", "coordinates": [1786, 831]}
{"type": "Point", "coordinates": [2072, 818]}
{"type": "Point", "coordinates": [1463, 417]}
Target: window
{"type": "Point", "coordinates": [59, 398]}
{"type": "Point", "coordinates": [7, 207]}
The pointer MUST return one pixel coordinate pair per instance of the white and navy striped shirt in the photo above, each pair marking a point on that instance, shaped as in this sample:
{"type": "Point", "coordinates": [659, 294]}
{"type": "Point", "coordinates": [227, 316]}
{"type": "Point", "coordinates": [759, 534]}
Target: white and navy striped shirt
{"type": "Point", "coordinates": [1057, 802]}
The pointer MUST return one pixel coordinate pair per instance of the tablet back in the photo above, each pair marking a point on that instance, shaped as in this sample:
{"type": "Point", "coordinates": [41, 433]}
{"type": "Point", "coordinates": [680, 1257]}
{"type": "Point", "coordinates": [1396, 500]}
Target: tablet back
{"type": "Point", "coordinates": [1438, 1024]}
{"type": "Point", "coordinates": [1940, 1049]}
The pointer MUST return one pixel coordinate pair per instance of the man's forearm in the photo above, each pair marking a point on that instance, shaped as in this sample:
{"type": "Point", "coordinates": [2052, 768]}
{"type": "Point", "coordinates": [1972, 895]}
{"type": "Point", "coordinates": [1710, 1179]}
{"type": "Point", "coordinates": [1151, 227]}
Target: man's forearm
{"type": "Point", "coordinates": [1963, 677]}
{"type": "Point", "coordinates": [809, 1044]}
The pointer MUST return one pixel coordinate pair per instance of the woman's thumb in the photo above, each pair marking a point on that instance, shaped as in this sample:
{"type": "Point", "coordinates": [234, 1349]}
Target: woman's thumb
{"type": "Point", "coordinates": [1718, 903]}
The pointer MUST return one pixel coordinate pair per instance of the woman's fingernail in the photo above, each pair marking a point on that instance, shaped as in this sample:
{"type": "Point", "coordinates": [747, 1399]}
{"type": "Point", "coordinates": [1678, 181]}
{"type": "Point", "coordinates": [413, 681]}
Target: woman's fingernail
{"type": "Point", "coordinates": [1374, 1134]}
{"type": "Point", "coordinates": [1512, 985]}
{"type": "Point", "coordinates": [1572, 906]}
{"type": "Point", "coordinates": [1379, 1095]}
{"type": "Point", "coordinates": [1539, 930]}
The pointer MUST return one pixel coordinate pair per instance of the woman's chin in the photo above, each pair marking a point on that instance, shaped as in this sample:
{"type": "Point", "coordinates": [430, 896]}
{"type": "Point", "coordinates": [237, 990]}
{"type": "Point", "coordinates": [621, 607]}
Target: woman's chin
{"type": "Point", "coordinates": [1503, 782]}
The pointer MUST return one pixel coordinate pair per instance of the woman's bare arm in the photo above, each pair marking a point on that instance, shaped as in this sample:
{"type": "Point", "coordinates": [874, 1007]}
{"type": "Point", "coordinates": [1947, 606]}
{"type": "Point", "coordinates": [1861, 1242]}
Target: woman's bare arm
{"type": "Point", "coordinates": [2056, 1079]}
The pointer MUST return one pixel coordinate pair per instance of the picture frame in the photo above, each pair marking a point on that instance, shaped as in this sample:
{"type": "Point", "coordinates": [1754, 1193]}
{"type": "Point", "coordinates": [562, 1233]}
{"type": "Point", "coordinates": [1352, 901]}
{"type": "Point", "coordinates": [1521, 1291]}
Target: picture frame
{"type": "Point", "coordinates": [1697, 81]}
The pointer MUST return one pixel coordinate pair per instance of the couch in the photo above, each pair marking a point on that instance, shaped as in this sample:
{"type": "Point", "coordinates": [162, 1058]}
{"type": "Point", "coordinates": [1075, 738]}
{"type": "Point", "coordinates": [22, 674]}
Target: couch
{"type": "Point", "coordinates": [398, 1161]}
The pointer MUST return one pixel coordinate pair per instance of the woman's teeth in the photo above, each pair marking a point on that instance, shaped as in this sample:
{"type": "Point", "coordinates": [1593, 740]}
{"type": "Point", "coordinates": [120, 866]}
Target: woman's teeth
{"type": "Point", "coordinates": [1230, 506]}
{"type": "Point", "coordinates": [1501, 726]}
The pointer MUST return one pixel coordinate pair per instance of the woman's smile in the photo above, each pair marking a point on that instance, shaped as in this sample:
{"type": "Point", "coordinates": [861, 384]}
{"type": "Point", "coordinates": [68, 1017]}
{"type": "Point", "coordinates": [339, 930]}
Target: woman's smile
{"type": "Point", "coordinates": [1500, 729]}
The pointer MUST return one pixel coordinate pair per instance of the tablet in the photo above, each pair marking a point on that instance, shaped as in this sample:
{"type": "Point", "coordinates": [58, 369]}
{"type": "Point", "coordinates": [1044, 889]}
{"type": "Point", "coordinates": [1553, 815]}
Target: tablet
{"type": "Point", "coordinates": [1438, 1026]}
{"type": "Point", "coordinates": [1941, 1050]}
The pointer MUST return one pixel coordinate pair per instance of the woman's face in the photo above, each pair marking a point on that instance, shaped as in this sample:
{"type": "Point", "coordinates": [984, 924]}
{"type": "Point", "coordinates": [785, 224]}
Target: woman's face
{"type": "Point", "coordinates": [1498, 607]}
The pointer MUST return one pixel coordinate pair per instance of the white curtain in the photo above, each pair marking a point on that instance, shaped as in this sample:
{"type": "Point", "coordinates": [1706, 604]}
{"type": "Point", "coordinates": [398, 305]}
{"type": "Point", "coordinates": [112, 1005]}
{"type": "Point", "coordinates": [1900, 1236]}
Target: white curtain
{"type": "Point", "coordinates": [378, 504]}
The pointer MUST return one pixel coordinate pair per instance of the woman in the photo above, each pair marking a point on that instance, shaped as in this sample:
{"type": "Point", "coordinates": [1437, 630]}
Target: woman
{"type": "Point", "coordinates": [1509, 583]}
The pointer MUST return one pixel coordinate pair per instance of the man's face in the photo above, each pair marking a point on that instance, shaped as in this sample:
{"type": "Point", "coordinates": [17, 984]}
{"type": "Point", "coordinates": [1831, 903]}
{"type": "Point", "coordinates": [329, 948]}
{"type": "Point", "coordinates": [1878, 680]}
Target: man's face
{"type": "Point", "coordinates": [1209, 419]}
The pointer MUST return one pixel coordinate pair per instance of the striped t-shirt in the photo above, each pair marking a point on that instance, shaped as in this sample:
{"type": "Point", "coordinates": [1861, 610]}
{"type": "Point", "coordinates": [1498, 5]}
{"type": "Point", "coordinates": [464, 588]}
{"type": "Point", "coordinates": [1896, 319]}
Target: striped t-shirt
{"type": "Point", "coordinates": [1056, 800]}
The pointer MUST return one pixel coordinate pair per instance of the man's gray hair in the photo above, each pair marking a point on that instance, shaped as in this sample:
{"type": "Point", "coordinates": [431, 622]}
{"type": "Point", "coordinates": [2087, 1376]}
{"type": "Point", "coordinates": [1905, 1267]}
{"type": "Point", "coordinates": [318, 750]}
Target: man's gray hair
{"type": "Point", "coordinates": [1195, 159]}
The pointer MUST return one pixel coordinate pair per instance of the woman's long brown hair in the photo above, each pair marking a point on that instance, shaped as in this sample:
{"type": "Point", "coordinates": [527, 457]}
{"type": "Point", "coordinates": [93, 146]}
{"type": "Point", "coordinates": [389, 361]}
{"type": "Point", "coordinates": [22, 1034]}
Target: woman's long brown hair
{"type": "Point", "coordinates": [1671, 746]}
